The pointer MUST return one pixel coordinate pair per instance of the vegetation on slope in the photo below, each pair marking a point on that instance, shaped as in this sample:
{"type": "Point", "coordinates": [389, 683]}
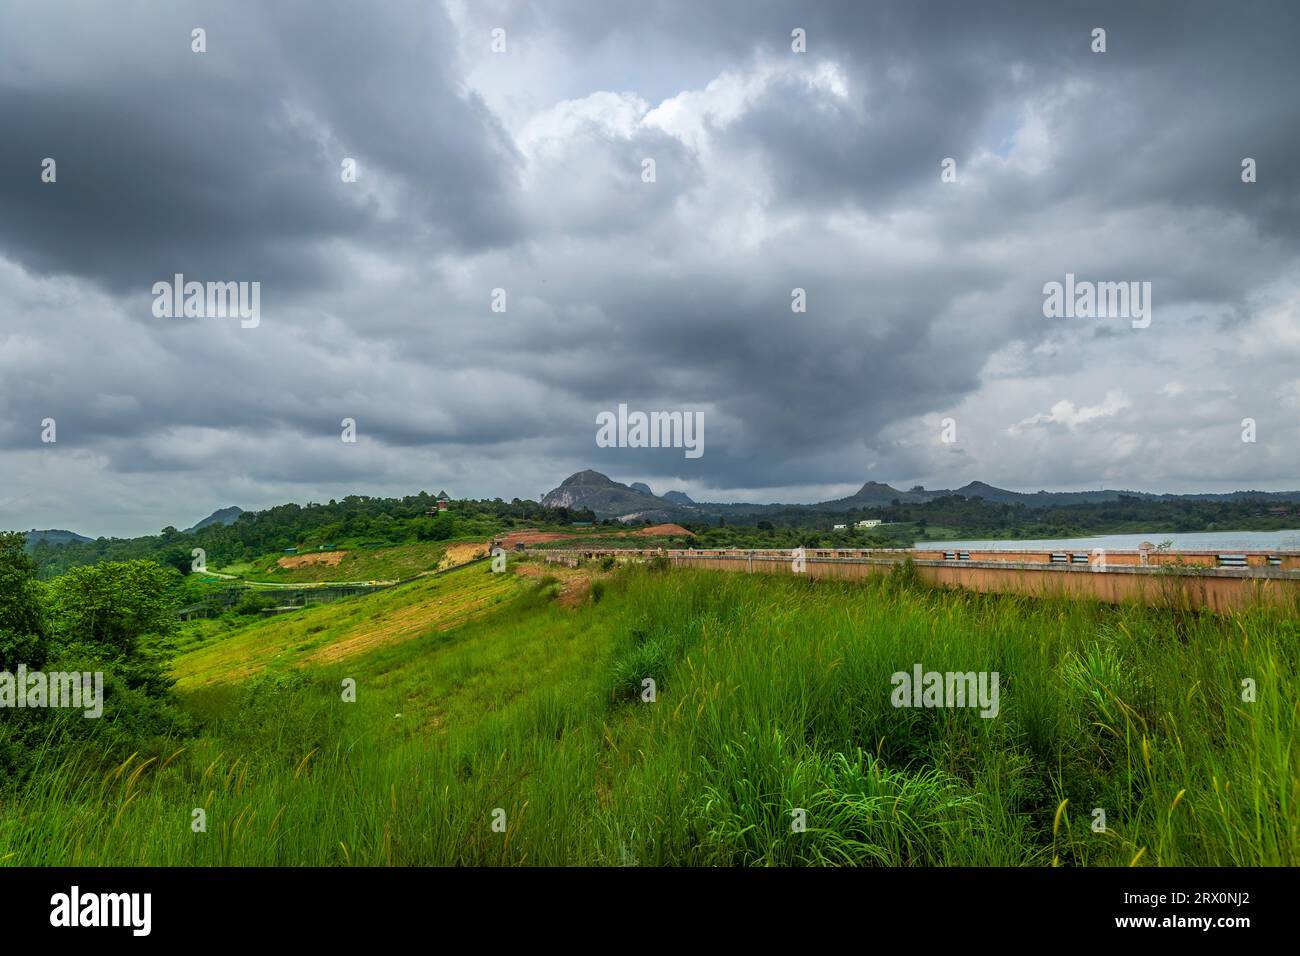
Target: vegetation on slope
{"type": "Point", "coordinates": [356, 522]}
{"type": "Point", "coordinates": [361, 524]}
{"type": "Point", "coordinates": [395, 563]}
{"type": "Point", "coordinates": [330, 632]}
{"type": "Point", "coordinates": [773, 695]}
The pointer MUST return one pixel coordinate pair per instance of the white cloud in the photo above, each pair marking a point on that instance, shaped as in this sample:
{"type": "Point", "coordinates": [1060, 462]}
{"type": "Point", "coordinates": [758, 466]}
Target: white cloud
{"type": "Point", "coordinates": [1069, 415]}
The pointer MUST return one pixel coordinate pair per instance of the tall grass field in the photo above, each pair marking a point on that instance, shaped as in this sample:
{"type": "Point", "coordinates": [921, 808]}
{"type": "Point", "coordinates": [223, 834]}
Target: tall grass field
{"type": "Point", "coordinates": [504, 720]}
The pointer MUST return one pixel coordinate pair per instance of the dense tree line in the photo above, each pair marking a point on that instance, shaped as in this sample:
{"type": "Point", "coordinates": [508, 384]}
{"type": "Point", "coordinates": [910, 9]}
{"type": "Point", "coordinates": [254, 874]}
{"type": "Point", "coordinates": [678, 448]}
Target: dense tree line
{"type": "Point", "coordinates": [975, 517]}
{"type": "Point", "coordinates": [113, 619]}
{"type": "Point", "coordinates": [979, 518]}
{"type": "Point", "coordinates": [357, 520]}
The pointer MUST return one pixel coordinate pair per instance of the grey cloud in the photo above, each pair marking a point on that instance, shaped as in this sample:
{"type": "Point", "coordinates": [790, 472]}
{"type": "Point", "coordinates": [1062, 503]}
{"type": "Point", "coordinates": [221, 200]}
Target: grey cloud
{"type": "Point", "coordinates": [675, 295]}
{"type": "Point", "coordinates": [216, 167]}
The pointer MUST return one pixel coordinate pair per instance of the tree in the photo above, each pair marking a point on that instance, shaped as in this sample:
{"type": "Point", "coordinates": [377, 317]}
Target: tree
{"type": "Point", "coordinates": [109, 606]}
{"type": "Point", "coordinates": [435, 529]}
{"type": "Point", "coordinates": [178, 558]}
{"type": "Point", "coordinates": [444, 527]}
{"type": "Point", "coordinates": [23, 634]}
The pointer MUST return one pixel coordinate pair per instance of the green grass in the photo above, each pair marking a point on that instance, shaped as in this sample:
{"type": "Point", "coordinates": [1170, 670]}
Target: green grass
{"type": "Point", "coordinates": [937, 533]}
{"type": "Point", "coordinates": [349, 627]}
{"type": "Point", "coordinates": [772, 696]}
{"type": "Point", "coordinates": [358, 564]}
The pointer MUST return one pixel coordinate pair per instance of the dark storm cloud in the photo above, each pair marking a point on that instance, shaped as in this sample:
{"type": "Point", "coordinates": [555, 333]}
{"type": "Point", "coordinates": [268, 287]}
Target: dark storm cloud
{"type": "Point", "coordinates": [523, 171]}
{"type": "Point", "coordinates": [801, 383]}
{"type": "Point", "coordinates": [213, 163]}
{"type": "Point", "coordinates": [1181, 91]}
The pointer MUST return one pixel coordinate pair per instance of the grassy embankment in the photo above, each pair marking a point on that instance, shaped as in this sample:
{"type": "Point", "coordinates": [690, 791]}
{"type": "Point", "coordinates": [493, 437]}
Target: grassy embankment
{"type": "Point", "coordinates": [394, 563]}
{"type": "Point", "coordinates": [355, 563]}
{"type": "Point", "coordinates": [478, 691]}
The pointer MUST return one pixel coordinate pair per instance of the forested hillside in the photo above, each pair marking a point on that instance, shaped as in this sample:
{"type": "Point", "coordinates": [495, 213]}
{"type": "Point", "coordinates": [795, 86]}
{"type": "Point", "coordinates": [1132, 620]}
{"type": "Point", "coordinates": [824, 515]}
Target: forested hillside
{"type": "Point", "coordinates": [357, 520]}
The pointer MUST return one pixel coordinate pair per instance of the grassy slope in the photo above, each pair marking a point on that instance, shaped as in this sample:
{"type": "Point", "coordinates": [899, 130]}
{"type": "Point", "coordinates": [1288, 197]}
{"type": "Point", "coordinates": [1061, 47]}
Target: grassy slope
{"type": "Point", "coordinates": [772, 694]}
{"type": "Point", "coordinates": [358, 564]}
{"type": "Point", "coordinates": [329, 632]}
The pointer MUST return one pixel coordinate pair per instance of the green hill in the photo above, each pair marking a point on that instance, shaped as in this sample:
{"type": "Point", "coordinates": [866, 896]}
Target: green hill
{"type": "Point", "coordinates": [54, 536]}
{"type": "Point", "coordinates": [222, 516]}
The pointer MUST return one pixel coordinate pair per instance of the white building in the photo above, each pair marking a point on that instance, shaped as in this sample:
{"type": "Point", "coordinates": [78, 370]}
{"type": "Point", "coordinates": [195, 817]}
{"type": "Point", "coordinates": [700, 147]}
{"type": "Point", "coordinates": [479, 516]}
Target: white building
{"type": "Point", "coordinates": [839, 527]}
{"type": "Point", "coordinates": [869, 523]}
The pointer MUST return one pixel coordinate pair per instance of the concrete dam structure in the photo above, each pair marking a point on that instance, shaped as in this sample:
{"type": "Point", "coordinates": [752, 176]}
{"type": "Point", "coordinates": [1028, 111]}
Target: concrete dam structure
{"type": "Point", "coordinates": [1220, 581]}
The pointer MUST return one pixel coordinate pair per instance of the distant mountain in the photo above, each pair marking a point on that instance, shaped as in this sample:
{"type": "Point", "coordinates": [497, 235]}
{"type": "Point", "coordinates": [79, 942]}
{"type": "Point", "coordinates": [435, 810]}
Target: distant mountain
{"type": "Point", "coordinates": [875, 494]}
{"type": "Point", "coordinates": [1293, 496]}
{"type": "Point", "coordinates": [224, 516]}
{"type": "Point", "coordinates": [1042, 499]}
{"type": "Point", "coordinates": [53, 536]}
{"type": "Point", "coordinates": [1053, 499]}
{"type": "Point", "coordinates": [611, 499]}
{"type": "Point", "coordinates": [872, 494]}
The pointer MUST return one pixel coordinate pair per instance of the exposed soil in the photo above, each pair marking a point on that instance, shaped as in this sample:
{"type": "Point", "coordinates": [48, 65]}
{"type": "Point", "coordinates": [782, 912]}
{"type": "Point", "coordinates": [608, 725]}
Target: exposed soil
{"type": "Point", "coordinates": [328, 558]}
{"type": "Point", "coordinates": [530, 537]}
{"type": "Point", "coordinates": [574, 582]}
{"type": "Point", "coordinates": [660, 531]}
{"type": "Point", "coordinates": [460, 554]}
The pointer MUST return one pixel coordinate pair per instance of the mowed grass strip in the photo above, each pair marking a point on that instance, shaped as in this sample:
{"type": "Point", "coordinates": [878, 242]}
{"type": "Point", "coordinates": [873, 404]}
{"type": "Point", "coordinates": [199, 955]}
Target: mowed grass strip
{"type": "Point", "coordinates": [331, 632]}
{"type": "Point", "coordinates": [394, 563]}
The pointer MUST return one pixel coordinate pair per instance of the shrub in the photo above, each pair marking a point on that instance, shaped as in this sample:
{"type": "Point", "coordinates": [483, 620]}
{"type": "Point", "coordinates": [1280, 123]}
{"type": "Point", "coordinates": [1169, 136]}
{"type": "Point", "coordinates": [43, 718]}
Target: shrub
{"type": "Point", "coordinates": [646, 659]}
{"type": "Point", "coordinates": [255, 603]}
{"type": "Point", "coordinates": [904, 576]}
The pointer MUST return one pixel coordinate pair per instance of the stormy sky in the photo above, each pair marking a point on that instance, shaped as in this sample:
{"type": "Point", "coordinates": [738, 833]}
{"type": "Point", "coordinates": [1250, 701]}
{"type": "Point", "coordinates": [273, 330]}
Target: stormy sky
{"type": "Point", "coordinates": [523, 169]}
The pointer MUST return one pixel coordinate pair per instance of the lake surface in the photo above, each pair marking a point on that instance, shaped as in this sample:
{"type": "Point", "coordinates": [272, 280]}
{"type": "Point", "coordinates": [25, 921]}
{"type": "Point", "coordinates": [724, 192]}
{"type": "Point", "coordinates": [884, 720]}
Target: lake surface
{"type": "Point", "coordinates": [1190, 541]}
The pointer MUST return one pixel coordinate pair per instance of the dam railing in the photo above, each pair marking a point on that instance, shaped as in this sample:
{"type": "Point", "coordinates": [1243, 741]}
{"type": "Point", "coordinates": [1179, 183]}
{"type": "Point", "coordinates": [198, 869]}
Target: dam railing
{"type": "Point", "coordinates": [1219, 580]}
